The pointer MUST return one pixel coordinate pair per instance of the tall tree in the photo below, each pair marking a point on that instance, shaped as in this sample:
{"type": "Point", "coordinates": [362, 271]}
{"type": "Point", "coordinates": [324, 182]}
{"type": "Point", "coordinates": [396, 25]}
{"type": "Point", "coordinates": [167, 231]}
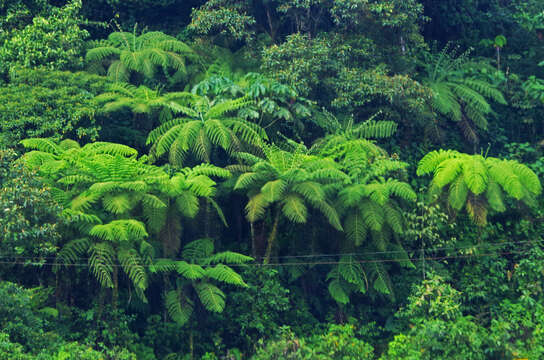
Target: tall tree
{"type": "Point", "coordinates": [456, 94]}
{"type": "Point", "coordinates": [124, 54]}
{"type": "Point", "coordinates": [287, 183]}
{"type": "Point", "coordinates": [121, 205]}
{"type": "Point", "coordinates": [479, 183]}
{"type": "Point", "coordinates": [206, 124]}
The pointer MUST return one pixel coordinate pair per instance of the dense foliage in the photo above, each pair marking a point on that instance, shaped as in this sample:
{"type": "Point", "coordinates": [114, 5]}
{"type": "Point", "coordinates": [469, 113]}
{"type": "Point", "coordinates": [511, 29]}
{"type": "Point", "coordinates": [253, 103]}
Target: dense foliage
{"type": "Point", "coordinates": [221, 179]}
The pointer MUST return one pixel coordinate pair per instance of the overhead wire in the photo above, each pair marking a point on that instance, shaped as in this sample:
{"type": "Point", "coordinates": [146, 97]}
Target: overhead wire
{"type": "Point", "coordinates": [432, 249]}
{"type": "Point", "coordinates": [353, 261]}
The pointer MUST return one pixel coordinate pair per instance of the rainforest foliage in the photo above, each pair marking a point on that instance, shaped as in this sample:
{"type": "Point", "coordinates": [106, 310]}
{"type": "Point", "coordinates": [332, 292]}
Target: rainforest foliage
{"type": "Point", "coordinates": [285, 179]}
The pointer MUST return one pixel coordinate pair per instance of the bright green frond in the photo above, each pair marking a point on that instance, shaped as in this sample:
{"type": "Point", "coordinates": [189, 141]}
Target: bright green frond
{"type": "Point", "coordinates": [131, 262]}
{"type": "Point", "coordinates": [475, 174]}
{"type": "Point", "coordinates": [294, 209]}
{"type": "Point", "coordinates": [211, 297]}
{"type": "Point", "coordinates": [225, 274]}
{"type": "Point", "coordinates": [458, 193]}
{"type": "Point", "coordinates": [178, 306]}
{"type": "Point", "coordinates": [256, 207]}
{"type": "Point", "coordinates": [190, 271]}
{"type": "Point", "coordinates": [273, 190]}
{"type": "Point", "coordinates": [198, 250]}
{"type": "Point", "coordinates": [338, 293]}
{"type": "Point", "coordinates": [355, 228]}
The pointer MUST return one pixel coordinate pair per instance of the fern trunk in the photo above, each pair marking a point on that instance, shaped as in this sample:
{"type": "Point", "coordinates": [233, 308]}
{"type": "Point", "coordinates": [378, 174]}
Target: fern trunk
{"type": "Point", "coordinates": [115, 290]}
{"type": "Point", "coordinates": [272, 238]}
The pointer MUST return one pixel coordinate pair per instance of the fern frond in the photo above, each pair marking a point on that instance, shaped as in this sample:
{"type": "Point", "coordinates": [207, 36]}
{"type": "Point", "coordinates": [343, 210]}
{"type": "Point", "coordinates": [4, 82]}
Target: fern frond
{"type": "Point", "coordinates": [101, 263]}
{"type": "Point", "coordinates": [256, 207]}
{"type": "Point", "coordinates": [131, 262]}
{"type": "Point", "coordinates": [458, 193]}
{"type": "Point", "coordinates": [350, 270]}
{"type": "Point", "coordinates": [355, 228]}
{"type": "Point", "coordinates": [376, 129]}
{"type": "Point", "coordinates": [338, 293]}
{"type": "Point", "coordinates": [198, 250]}
{"type": "Point", "coordinates": [228, 257]}
{"type": "Point", "coordinates": [43, 145]}
{"type": "Point", "coordinates": [190, 271]}
{"type": "Point", "coordinates": [163, 266]}
{"type": "Point", "coordinates": [211, 297]}
{"type": "Point", "coordinates": [294, 209]}
{"type": "Point", "coordinates": [430, 162]}
{"type": "Point", "coordinates": [476, 174]}
{"type": "Point", "coordinates": [225, 274]}
{"type": "Point", "coordinates": [179, 307]}
{"type": "Point", "coordinates": [72, 250]}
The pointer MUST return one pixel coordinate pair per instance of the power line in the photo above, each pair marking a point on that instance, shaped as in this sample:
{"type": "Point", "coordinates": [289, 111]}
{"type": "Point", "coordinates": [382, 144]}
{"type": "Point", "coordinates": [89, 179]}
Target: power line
{"type": "Point", "coordinates": [435, 258]}
{"type": "Point", "coordinates": [333, 254]}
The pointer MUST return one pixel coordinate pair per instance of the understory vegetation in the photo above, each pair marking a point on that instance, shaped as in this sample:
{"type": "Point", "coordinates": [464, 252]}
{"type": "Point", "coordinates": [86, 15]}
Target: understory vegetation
{"type": "Point", "coordinates": [224, 179]}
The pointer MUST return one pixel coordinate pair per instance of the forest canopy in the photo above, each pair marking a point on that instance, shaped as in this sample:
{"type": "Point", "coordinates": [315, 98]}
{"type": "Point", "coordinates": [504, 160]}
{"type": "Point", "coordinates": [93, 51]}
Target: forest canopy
{"type": "Point", "coordinates": [273, 179]}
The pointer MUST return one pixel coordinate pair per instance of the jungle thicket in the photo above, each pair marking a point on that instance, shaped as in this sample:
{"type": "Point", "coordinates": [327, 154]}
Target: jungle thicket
{"type": "Point", "coordinates": [271, 179]}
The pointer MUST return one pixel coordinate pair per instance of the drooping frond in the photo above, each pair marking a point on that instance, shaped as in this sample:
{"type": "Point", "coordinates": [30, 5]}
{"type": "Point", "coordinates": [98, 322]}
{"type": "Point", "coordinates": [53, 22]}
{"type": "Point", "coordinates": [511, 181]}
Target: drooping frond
{"type": "Point", "coordinates": [351, 271]}
{"type": "Point", "coordinates": [101, 263]}
{"type": "Point", "coordinates": [190, 271]}
{"type": "Point", "coordinates": [337, 292]}
{"type": "Point", "coordinates": [476, 182]}
{"type": "Point", "coordinates": [294, 209]}
{"type": "Point", "coordinates": [198, 250]}
{"type": "Point", "coordinates": [355, 228]}
{"type": "Point", "coordinates": [256, 207]}
{"type": "Point", "coordinates": [72, 251]}
{"type": "Point", "coordinates": [223, 273]}
{"type": "Point", "coordinates": [211, 297]}
{"type": "Point", "coordinates": [131, 262]}
{"type": "Point", "coordinates": [120, 231]}
{"type": "Point", "coordinates": [228, 257]}
{"type": "Point", "coordinates": [178, 306]}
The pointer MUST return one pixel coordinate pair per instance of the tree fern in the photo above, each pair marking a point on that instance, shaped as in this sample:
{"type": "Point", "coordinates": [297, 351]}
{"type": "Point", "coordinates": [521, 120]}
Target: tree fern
{"type": "Point", "coordinates": [109, 191]}
{"type": "Point", "coordinates": [457, 94]}
{"type": "Point", "coordinates": [475, 182]}
{"type": "Point", "coordinates": [369, 204]}
{"type": "Point", "coordinates": [206, 124]}
{"type": "Point", "coordinates": [197, 275]}
{"type": "Point", "coordinates": [123, 54]}
{"type": "Point", "coordinates": [288, 183]}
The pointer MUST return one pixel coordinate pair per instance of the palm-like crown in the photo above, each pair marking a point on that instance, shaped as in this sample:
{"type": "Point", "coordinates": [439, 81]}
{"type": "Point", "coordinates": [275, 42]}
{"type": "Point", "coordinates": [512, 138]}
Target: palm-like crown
{"type": "Point", "coordinates": [124, 53]}
{"type": "Point", "coordinates": [205, 124]}
{"type": "Point", "coordinates": [478, 182]}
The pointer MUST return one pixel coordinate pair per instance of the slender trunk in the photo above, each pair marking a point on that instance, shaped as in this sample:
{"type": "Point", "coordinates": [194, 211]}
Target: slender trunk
{"type": "Point", "coordinates": [498, 58]}
{"type": "Point", "coordinates": [207, 220]}
{"type": "Point", "coordinates": [191, 345]}
{"type": "Point", "coordinates": [57, 290]}
{"type": "Point", "coordinates": [101, 296]}
{"type": "Point", "coordinates": [115, 290]}
{"type": "Point", "coordinates": [271, 25]}
{"type": "Point", "coordinates": [272, 238]}
{"type": "Point", "coordinates": [253, 242]}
